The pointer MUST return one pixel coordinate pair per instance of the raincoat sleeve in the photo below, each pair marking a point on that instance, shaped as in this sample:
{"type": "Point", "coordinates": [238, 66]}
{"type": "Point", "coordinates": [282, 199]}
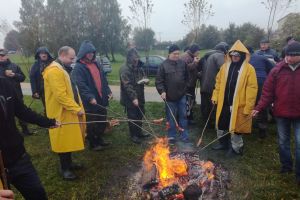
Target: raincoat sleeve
{"type": "Point", "coordinates": [58, 88]}
{"type": "Point", "coordinates": [217, 87]}
{"type": "Point", "coordinates": [251, 92]}
{"type": "Point", "coordinates": [128, 85]}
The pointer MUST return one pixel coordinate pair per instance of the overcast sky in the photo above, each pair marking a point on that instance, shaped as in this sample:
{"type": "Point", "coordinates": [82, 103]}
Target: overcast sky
{"type": "Point", "coordinates": [168, 14]}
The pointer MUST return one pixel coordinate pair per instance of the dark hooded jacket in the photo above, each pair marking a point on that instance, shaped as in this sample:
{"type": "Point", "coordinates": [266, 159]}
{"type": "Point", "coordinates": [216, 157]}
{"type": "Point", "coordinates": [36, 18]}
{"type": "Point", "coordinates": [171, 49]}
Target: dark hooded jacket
{"type": "Point", "coordinates": [11, 141]}
{"type": "Point", "coordinates": [17, 79]}
{"type": "Point", "coordinates": [36, 79]}
{"type": "Point", "coordinates": [129, 77]}
{"type": "Point", "coordinates": [85, 82]}
{"type": "Point", "coordinates": [192, 67]}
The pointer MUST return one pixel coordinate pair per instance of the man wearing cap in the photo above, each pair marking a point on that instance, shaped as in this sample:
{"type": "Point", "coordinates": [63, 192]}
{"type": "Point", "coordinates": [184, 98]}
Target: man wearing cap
{"type": "Point", "coordinates": [266, 51]}
{"type": "Point", "coordinates": [191, 59]}
{"type": "Point", "coordinates": [171, 84]}
{"type": "Point", "coordinates": [234, 94]}
{"type": "Point", "coordinates": [42, 59]}
{"type": "Point", "coordinates": [282, 89]}
{"type": "Point", "coordinates": [14, 73]}
{"type": "Point", "coordinates": [262, 67]}
{"type": "Point", "coordinates": [132, 78]}
{"type": "Point", "coordinates": [211, 63]}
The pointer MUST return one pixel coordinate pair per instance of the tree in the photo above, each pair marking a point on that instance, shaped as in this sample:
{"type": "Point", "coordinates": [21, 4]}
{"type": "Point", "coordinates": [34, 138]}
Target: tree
{"type": "Point", "coordinates": [250, 34]}
{"type": "Point", "coordinates": [272, 6]}
{"type": "Point", "coordinates": [195, 14]}
{"type": "Point", "coordinates": [141, 12]}
{"type": "Point", "coordinates": [208, 37]}
{"type": "Point", "coordinates": [230, 35]}
{"type": "Point", "coordinates": [291, 27]}
{"type": "Point", "coordinates": [139, 38]}
{"type": "Point", "coordinates": [11, 41]}
{"type": "Point", "coordinates": [30, 26]}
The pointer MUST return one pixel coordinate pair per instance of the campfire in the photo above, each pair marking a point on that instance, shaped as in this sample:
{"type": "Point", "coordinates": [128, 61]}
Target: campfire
{"type": "Point", "coordinates": [173, 175]}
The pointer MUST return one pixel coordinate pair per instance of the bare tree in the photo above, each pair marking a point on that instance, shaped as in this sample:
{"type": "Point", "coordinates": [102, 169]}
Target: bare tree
{"type": "Point", "coordinates": [141, 12]}
{"type": "Point", "coordinates": [273, 7]}
{"type": "Point", "coordinates": [196, 13]}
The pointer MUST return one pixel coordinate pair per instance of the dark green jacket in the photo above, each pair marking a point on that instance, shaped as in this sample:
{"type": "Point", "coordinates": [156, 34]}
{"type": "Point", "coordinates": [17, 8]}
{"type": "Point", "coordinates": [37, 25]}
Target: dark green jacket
{"type": "Point", "coordinates": [130, 89]}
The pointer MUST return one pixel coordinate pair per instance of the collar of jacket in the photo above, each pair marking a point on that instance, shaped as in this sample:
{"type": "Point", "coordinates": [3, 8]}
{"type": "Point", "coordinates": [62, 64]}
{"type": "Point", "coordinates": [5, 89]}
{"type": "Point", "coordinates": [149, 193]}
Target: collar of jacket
{"type": "Point", "coordinates": [5, 63]}
{"type": "Point", "coordinates": [172, 62]}
{"type": "Point", "coordinates": [294, 67]}
{"type": "Point", "coordinates": [66, 67]}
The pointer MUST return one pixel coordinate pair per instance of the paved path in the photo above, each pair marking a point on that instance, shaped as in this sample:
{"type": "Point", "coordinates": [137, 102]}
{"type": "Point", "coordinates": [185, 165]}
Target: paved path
{"type": "Point", "coordinates": [151, 94]}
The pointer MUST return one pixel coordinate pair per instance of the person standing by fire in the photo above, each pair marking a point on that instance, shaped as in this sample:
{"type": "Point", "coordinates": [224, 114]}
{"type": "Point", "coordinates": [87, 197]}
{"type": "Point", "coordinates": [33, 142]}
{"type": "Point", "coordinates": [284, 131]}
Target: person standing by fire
{"type": "Point", "coordinates": [235, 95]}
{"type": "Point", "coordinates": [132, 78]}
{"type": "Point", "coordinates": [171, 83]}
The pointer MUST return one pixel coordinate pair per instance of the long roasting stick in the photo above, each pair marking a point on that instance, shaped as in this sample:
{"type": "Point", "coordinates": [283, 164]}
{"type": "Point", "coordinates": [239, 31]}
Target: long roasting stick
{"type": "Point", "coordinates": [200, 139]}
{"type": "Point", "coordinates": [3, 174]}
{"type": "Point", "coordinates": [172, 114]}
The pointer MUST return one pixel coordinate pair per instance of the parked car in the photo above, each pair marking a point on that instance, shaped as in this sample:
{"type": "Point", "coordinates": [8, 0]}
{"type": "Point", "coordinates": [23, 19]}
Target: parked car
{"type": "Point", "coordinates": [105, 64]}
{"type": "Point", "coordinates": [152, 64]}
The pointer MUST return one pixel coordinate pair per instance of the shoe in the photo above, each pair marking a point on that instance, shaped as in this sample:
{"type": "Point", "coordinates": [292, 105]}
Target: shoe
{"type": "Point", "coordinates": [219, 147]}
{"type": "Point", "coordinates": [144, 135]}
{"type": "Point", "coordinates": [136, 140]}
{"type": "Point", "coordinates": [98, 148]}
{"type": "Point", "coordinates": [76, 166]}
{"type": "Point", "coordinates": [262, 134]}
{"type": "Point", "coordinates": [104, 143]}
{"type": "Point", "coordinates": [284, 171]}
{"type": "Point", "coordinates": [232, 154]}
{"type": "Point", "coordinates": [171, 141]}
{"type": "Point", "coordinates": [68, 175]}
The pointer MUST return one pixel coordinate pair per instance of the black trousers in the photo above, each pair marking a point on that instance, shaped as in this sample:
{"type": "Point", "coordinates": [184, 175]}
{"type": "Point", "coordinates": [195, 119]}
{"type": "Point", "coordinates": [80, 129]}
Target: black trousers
{"type": "Point", "coordinates": [134, 113]}
{"type": "Point", "coordinates": [24, 177]}
{"type": "Point", "coordinates": [95, 130]}
{"type": "Point", "coordinates": [262, 117]}
{"type": "Point", "coordinates": [191, 98]}
{"type": "Point", "coordinates": [65, 160]}
{"type": "Point", "coordinates": [206, 107]}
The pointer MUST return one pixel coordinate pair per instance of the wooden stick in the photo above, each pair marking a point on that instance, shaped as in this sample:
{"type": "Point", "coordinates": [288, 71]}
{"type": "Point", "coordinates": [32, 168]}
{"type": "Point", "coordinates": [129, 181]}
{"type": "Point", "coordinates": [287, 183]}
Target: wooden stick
{"type": "Point", "coordinates": [200, 139]}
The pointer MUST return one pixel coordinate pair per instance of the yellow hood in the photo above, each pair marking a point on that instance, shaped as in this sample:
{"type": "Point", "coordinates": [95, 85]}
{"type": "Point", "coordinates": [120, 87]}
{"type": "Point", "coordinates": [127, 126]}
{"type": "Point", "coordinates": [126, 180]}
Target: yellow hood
{"type": "Point", "coordinates": [239, 46]}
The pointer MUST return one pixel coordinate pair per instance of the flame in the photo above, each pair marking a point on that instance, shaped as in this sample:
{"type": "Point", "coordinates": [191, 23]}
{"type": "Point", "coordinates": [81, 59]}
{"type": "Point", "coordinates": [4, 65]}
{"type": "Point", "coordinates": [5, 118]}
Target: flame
{"type": "Point", "coordinates": [168, 169]}
{"type": "Point", "coordinates": [209, 169]}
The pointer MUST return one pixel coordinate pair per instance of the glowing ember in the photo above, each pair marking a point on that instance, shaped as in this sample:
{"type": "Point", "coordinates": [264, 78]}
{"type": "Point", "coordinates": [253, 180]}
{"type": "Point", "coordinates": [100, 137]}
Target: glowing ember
{"type": "Point", "coordinates": [169, 169]}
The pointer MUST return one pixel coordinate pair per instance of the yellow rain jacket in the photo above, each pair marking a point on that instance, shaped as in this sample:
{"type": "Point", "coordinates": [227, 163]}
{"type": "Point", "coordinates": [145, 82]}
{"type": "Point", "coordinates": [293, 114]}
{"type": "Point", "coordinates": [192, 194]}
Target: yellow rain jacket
{"type": "Point", "coordinates": [245, 92]}
{"type": "Point", "coordinates": [60, 104]}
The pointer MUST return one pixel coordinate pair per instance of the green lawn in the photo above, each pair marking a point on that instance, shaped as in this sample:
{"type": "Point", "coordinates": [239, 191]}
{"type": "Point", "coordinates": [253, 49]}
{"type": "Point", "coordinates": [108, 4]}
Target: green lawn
{"type": "Point", "coordinates": [254, 175]}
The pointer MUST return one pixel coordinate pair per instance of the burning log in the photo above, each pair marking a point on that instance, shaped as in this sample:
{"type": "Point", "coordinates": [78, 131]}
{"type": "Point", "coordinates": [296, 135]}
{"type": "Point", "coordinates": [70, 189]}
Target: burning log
{"type": "Point", "coordinates": [192, 192]}
{"type": "Point", "coordinates": [149, 178]}
{"type": "Point", "coordinates": [169, 191]}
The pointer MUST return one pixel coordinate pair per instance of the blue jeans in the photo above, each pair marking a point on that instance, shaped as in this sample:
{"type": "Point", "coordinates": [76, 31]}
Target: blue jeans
{"type": "Point", "coordinates": [284, 126]}
{"type": "Point", "coordinates": [178, 109]}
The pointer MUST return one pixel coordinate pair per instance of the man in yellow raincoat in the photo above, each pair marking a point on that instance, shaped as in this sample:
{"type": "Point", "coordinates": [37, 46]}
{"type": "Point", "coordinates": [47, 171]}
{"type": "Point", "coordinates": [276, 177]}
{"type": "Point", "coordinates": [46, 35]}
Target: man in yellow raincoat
{"type": "Point", "coordinates": [235, 94]}
{"type": "Point", "coordinates": [63, 103]}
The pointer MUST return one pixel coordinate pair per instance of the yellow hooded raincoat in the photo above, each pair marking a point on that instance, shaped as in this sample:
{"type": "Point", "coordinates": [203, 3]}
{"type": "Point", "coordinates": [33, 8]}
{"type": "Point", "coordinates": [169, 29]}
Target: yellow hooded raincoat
{"type": "Point", "coordinates": [60, 104]}
{"type": "Point", "coordinates": [244, 96]}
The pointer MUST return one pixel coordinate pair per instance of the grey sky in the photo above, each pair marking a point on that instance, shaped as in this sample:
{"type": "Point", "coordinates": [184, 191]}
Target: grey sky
{"type": "Point", "coordinates": [168, 14]}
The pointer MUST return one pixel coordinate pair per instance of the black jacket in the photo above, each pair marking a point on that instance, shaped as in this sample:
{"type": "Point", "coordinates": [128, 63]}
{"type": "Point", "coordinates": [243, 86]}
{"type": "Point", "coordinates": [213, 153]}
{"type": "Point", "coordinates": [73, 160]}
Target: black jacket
{"type": "Point", "coordinates": [36, 79]}
{"type": "Point", "coordinates": [17, 79]}
{"type": "Point", "coordinates": [172, 78]}
{"type": "Point", "coordinates": [85, 82]}
{"type": "Point", "coordinates": [11, 141]}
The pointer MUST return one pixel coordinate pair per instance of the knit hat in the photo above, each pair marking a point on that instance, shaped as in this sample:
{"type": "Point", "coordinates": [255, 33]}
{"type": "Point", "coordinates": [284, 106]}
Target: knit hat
{"type": "Point", "coordinates": [222, 46]}
{"type": "Point", "coordinates": [194, 48]}
{"type": "Point", "coordinates": [264, 40]}
{"type": "Point", "coordinates": [173, 48]}
{"type": "Point", "coordinates": [293, 49]}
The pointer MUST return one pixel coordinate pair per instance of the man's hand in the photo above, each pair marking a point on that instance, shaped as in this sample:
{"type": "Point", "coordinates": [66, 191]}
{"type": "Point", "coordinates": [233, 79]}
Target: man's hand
{"type": "Point", "coordinates": [110, 96]}
{"type": "Point", "coordinates": [9, 73]}
{"type": "Point", "coordinates": [254, 113]}
{"type": "Point", "coordinates": [93, 101]}
{"type": "Point", "coordinates": [6, 195]}
{"type": "Point", "coordinates": [163, 95]}
{"type": "Point", "coordinates": [57, 124]}
{"type": "Point", "coordinates": [213, 102]}
{"type": "Point", "coordinates": [80, 113]}
{"type": "Point", "coordinates": [135, 102]}
{"type": "Point", "coordinates": [36, 95]}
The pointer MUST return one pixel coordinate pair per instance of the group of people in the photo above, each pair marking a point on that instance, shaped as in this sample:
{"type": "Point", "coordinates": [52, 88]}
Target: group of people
{"type": "Point", "coordinates": [236, 84]}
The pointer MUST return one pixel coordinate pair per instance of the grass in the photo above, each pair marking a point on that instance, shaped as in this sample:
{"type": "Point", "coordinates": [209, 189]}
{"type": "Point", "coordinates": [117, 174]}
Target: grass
{"type": "Point", "coordinates": [253, 176]}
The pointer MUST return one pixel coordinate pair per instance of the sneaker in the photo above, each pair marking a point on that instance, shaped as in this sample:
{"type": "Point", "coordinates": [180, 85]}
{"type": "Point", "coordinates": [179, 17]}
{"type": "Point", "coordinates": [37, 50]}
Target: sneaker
{"type": "Point", "coordinates": [144, 135]}
{"type": "Point", "coordinates": [232, 153]}
{"type": "Point", "coordinates": [68, 175]}
{"type": "Point", "coordinates": [136, 140]}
